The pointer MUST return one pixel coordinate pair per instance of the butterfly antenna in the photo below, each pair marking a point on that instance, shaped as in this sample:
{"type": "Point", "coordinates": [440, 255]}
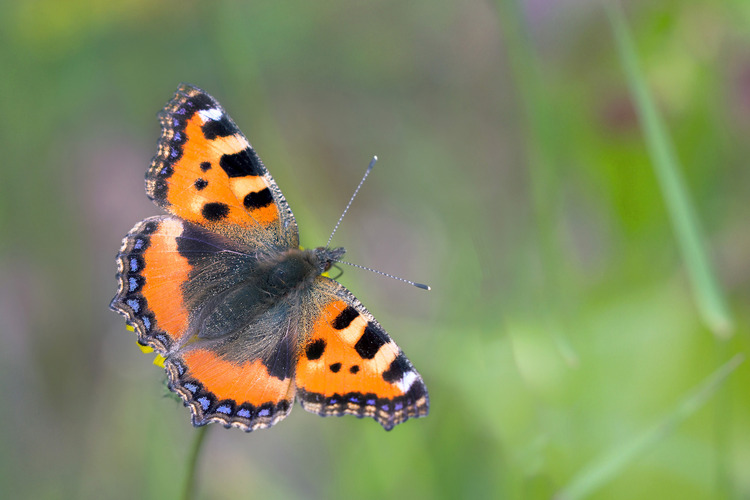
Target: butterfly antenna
{"type": "Point", "coordinates": [418, 285]}
{"type": "Point", "coordinates": [367, 172]}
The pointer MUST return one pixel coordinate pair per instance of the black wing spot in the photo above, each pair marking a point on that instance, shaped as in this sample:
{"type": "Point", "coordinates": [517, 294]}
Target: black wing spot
{"type": "Point", "coordinates": [335, 367]}
{"type": "Point", "coordinates": [200, 184]}
{"type": "Point", "coordinates": [279, 363]}
{"type": "Point", "coordinates": [195, 244]}
{"type": "Point", "coordinates": [396, 370]}
{"type": "Point", "coordinates": [159, 191]}
{"type": "Point", "coordinates": [370, 342]}
{"type": "Point", "coordinates": [261, 199]}
{"type": "Point", "coordinates": [215, 211]}
{"type": "Point", "coordinates": [241, 164]}
{"type": "Point", "coordinates": [345, 318]}
{"type": "Point", "coordinates": [315, 349]}
{"type": "Point", "coordinates": [206, 166]}
{"type": "Point", "coordinates": [150, 227]}
{"type": "Point", "coordinates": [201, 101]}
{"type": "Point", "coordinates": [218, 128]}
{"type": "Point", "coordinates": [354, 369]}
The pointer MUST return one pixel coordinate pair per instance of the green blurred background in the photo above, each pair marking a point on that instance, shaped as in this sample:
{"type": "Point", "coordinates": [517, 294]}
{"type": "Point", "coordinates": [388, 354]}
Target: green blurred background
{"type": "Point", "coordinates": [562, 343]}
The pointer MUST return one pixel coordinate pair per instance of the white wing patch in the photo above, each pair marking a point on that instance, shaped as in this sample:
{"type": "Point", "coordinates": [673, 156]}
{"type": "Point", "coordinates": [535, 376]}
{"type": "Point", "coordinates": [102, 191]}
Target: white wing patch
{"type": "Point", "coordinates": [213, 114]}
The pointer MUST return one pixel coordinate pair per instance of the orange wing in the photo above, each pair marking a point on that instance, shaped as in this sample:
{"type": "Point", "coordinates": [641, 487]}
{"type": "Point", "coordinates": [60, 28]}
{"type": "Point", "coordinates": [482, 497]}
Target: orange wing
{"type": "Point", "coordinates": [349, 365]}
{"type": "Point", "coordinates": [242, 394]}
{"type": "Point", "coordinates": [207, 173]}
{"type": "Point", "coordinates": [167, 271]}
{"type": "Point", "coordinates": [150, 272]}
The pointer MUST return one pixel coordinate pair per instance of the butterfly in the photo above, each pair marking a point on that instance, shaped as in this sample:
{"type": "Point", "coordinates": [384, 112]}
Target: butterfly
{"type": "Point", "coordinates": [244, 317]}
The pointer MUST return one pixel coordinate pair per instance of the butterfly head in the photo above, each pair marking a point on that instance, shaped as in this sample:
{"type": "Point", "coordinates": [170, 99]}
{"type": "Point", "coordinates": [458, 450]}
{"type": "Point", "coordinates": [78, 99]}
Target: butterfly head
{"type": "Point", "coordinates": [327, 256]}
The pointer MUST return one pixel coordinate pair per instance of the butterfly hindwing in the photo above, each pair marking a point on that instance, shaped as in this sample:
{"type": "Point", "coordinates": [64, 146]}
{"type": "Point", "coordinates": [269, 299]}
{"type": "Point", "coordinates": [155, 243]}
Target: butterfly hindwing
{"type": "Point", "coordinates": [239, 393]}
{"type": "Point", "coordinates": [206, 172]}
{"type": "Point", "coordinates": [186, 292]}
{"type": "Point", "coordinates": [350, 366]}
{"type": "Point", "coordinates": [170, 273]}
{"type": "Point", "coordinates": [150, 272]}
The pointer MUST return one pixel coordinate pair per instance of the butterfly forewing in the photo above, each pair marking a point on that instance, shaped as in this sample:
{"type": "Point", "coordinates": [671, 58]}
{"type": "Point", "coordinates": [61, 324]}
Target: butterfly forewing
{"type": "Point", "coordinates": [207, 173]}
{"type": "Point", "coordinates": [350, 366]}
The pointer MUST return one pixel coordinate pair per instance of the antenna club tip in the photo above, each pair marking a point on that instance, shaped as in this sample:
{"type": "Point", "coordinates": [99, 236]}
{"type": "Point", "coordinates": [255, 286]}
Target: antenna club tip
{"type": "Point", "coordinates": [422, 286]}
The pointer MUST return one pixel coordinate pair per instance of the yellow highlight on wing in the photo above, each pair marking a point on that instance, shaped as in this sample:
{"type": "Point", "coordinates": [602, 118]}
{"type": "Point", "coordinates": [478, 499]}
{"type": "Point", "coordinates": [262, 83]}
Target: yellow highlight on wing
{"type": "Point", "coordinates": [158, 360]}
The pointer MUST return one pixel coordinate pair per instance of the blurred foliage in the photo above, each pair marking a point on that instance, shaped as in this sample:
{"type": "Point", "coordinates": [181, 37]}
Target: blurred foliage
{"type": "Point", "coordinates": [514, 177]}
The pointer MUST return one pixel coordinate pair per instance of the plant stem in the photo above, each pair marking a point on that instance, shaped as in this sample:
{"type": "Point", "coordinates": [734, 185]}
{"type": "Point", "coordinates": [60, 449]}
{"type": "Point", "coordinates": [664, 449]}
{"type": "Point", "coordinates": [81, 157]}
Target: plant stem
{"type": "Point", "coordinates": [189, 489]}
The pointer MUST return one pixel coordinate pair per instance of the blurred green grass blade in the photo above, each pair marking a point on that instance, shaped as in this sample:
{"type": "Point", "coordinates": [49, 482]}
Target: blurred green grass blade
{"type": "Point", "coordinates": [542, 147]}
{"type": "Point", "coordinates": [708, 295]}
{"type": "Point", "coordinates": [610, 464]}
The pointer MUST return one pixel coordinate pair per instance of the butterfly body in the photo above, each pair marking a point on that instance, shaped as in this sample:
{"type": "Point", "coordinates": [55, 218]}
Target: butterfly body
{"type": "Point", "coordinates": [245, 319]}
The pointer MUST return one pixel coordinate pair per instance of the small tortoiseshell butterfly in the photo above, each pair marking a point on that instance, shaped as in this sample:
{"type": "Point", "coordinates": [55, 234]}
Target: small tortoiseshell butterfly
{"type": "Point", "coordinates": [245, 318]}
